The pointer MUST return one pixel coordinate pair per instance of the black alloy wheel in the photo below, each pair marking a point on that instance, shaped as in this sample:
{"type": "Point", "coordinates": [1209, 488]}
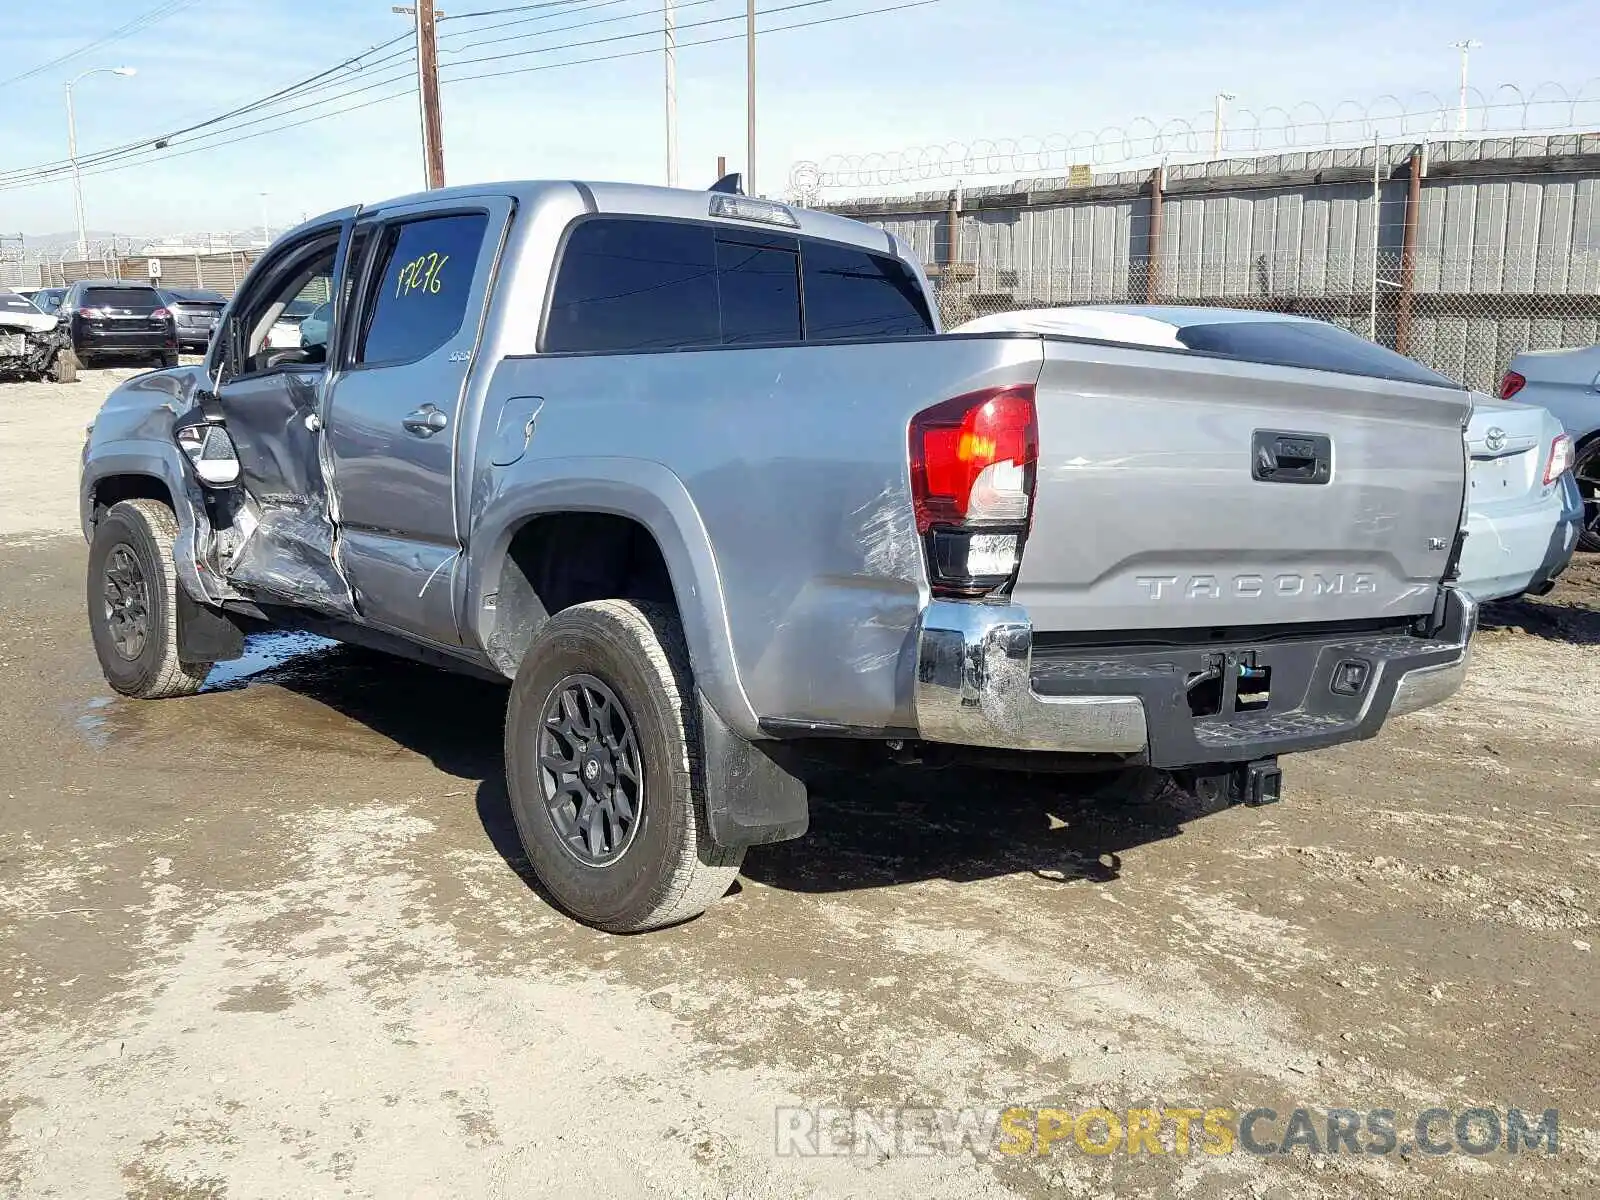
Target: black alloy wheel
{"type": "Point", "coordinates": [591, 777]}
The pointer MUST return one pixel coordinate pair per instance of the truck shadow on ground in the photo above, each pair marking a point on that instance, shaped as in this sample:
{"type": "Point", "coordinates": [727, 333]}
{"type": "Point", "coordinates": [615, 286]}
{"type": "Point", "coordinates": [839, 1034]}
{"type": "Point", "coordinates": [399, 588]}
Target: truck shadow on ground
{"type": "Point", "coordinates": [871, 826]}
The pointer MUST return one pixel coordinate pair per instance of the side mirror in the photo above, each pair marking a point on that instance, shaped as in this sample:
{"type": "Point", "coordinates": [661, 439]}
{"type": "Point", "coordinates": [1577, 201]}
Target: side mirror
{"type": "Point", "coordinates": [211, 452]}
{"type": "Point", "coordinates": [291, 356]}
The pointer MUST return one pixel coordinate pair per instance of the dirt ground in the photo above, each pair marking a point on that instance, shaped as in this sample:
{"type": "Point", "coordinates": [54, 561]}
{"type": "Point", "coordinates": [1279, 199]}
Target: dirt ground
{"type": "Point", "coordinates": [277, 940]}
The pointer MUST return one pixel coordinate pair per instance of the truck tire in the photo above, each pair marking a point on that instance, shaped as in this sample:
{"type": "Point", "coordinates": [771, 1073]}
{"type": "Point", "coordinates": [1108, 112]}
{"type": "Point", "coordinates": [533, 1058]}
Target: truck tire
{"type": "Point", "coordinates": [603, 768]}
{"type": "Point", "coordinates": [64, 367]}
{"type": "Point", "coordinates": [132, 598]}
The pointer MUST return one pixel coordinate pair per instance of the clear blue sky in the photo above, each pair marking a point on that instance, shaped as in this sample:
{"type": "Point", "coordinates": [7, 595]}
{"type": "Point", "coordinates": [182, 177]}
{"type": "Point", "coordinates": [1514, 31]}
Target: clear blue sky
{"type": "Point", "coordinates": [954, 70]}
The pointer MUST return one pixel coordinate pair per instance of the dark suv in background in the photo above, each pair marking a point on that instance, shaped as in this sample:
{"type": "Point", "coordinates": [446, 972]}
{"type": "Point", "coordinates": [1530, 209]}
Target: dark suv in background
{"type": "Point", "coordinates": [111, 318]}
{"type": "Point", "coordinates": [196, 311]}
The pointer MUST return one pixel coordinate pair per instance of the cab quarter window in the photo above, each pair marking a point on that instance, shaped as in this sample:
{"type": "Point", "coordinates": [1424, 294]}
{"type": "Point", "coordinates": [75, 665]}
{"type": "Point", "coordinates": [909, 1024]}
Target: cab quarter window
{"type": "Point", "coordinates": [420, 287]}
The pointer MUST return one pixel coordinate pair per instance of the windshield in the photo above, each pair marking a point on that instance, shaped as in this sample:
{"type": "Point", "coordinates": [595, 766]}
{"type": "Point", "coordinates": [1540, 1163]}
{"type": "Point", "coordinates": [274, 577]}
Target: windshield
{"type": "Point", "coordinates": [11, 302]}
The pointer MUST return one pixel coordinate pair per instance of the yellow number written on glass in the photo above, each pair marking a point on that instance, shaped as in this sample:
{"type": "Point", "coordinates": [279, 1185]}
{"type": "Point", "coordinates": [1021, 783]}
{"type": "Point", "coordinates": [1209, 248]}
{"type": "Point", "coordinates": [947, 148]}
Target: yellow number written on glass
{"type": "Point", "coordinates": [421, 274]}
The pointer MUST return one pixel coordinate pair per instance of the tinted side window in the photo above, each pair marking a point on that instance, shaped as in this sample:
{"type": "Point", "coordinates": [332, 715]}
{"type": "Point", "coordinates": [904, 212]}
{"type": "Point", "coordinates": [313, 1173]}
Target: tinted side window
{"type": "Point", "coordinates": [759, 293]}
{"type": "Point", "coordinates": [1309, 344]}
{"type": "Point", "coordinates": [628, 284]}
{"type": "Point", "coordinates": [419, 297]}
{"type": "Point", "coordinates": [851, 293]}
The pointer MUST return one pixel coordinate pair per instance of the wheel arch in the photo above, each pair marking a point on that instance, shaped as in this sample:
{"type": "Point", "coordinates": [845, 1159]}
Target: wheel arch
{"type": "Point", "coordinates": [630, 519]}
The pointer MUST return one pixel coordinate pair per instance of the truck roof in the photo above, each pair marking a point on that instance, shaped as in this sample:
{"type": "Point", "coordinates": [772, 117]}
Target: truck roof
{"type": "Point", "coordinates": [634, 199]}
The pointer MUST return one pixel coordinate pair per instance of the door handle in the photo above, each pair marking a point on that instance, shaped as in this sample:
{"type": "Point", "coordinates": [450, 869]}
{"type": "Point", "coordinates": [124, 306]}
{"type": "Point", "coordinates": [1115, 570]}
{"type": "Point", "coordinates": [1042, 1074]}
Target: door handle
{"type": "Point", "coordinates": [425, 421]}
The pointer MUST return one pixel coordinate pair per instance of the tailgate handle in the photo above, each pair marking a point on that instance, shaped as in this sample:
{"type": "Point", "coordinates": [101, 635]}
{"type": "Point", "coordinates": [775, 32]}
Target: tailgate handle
{"type": "Point", "coordinates": [1279, 456]}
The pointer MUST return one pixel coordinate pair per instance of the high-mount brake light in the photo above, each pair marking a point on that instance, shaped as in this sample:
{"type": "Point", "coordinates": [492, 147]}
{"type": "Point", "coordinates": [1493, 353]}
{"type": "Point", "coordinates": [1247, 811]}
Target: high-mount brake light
{"type": "Point", "coordinates": [749, 208]}
{"type": "Point", "coordinates": [972, 470]}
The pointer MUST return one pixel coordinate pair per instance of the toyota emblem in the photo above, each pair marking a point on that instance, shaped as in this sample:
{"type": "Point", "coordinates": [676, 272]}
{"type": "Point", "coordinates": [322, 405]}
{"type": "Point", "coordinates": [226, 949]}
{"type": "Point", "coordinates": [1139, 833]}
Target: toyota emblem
{"type": "Point", "coordinates": [1495, 439]}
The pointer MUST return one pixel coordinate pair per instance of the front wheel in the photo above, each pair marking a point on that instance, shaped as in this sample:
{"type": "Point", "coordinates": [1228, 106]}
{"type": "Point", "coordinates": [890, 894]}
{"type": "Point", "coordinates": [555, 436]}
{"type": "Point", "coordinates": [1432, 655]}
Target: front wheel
{"type": "Point", "coordinates": [64, 367]}
{"type": "Point", "coordinates": [133, 611]}
{"type": "Point", "coordinates": [604, 771]}
{"type": "Point", "coordinates": [1586, 470]}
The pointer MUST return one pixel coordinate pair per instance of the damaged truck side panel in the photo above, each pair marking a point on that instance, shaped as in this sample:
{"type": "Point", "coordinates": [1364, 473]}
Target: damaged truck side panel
{"type": "Point", "coordinates": [700, 476]}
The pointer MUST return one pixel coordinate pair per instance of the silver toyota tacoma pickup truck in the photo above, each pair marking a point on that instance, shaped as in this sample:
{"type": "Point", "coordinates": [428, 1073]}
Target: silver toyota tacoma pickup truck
{"type": "Point", "coordinates": [701, 477]}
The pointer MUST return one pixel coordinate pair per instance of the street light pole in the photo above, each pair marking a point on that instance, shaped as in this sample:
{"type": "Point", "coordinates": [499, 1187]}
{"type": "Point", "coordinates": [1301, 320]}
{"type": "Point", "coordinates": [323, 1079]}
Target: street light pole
{"type": "Point", "coordinates": [1466, 46]}
{"type": "Point", "coordinates": [671, 29]}
{"type": "Point", "coordinates": [1217, 108]}
{"type": "Point", "coordinates": [72, 153]}
{"type": "Point", "coordinates": [750, 97]}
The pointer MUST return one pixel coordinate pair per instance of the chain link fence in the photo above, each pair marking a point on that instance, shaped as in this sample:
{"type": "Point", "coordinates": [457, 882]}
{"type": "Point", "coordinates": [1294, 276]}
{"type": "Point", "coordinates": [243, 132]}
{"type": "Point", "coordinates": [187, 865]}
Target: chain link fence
{"type": "Point", "coordinates": [1465, 316]}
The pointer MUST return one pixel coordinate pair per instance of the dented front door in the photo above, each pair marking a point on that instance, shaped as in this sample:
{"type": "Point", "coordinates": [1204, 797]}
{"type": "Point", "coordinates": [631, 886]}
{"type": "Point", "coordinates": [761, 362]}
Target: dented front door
{"type": "Point", "coordinates": [271, 398]}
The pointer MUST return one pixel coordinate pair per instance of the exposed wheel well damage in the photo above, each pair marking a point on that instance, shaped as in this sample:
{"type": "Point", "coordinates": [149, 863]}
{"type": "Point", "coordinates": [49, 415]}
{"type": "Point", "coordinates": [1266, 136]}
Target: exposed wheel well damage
{"type": "Point", "coordinates": [558, 560]}
{"type": "Point", "coordinates": [115, 488]}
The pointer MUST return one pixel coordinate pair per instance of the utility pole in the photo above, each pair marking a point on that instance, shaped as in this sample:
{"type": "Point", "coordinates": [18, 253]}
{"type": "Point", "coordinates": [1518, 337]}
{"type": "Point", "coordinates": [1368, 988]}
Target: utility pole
{"type": "Point", "coordinates": [1218, 104]}
{"type": "Point", "coordinates": [425, 17]}
{"type": "Point", "coordinates": [750, 98]}
{"type": "Point", "coordinates": [1466, 46]}
{"type": "Point", "coordinates": [671, 30]}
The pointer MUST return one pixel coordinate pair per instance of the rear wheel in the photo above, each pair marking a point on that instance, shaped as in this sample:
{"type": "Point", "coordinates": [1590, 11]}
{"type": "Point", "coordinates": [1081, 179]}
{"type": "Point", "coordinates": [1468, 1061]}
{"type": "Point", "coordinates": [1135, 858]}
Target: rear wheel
{"type": "Point", "coordinates": [1587, 472]}
{"type": "Point", "coordinates": [169, 359]}
{"type": "Point", "coordinates": [604, 772]}
{"type": "Point", "coordinates": [133, 611]}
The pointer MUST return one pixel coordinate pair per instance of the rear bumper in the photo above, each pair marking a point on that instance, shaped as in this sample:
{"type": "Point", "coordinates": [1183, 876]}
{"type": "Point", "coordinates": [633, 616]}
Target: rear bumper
{"type": "Point", "coordinates": [118, 341]}
{"type": "Point", "coordinates": [1523, 551]}
{"type": "Point", "coordinates": [981, 683]}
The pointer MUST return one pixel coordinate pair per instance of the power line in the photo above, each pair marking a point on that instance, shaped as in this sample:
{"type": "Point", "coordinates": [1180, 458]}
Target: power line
{"type": "Point", "coordinates": [653, 12]}
{"type": "Point", "coordinates": [727, 37]}
{"type": "Point", "coordinates": [623, 37]}
{"type": "Point", "coordinates": [308, 86]}
{"type": "Point", "coordinates": [160, 13]}
{"type": "Point", "coordinates": [144, 153]}
{"type": "Point", "coordinates": [568, 9]}
{"type": "Point", "coordinates": [107, 163]}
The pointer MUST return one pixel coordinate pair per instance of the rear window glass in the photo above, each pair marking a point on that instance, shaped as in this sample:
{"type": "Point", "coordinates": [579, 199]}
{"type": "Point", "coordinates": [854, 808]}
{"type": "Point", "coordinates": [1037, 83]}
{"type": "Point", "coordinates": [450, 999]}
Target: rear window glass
{"type": "Point", "coordinates": [186, 297]}
{"type": "Point", "coordinates": [851, 293]}
{"type": "Point", "coordinates": [759, 292]}
{"type": "Point", "coordinates": [1308, 344]}
{"type": "Point", "coordinates": [136, 298]}
{"type": "Point", "coordinates": [635, 285]}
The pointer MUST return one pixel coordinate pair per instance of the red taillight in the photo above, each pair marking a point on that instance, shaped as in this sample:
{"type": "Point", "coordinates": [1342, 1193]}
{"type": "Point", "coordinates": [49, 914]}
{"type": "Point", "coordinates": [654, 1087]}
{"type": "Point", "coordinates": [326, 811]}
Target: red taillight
{"type": "Point", "coordinates": [972, 468]}
{"type": "Point", "coordinates": [1511, 384]}
{"type": "Point", "coordinates": [1560, 459]}
{"type": "Point", "coordinates": [972, 458]}
{"type": "Point", "coordinates": [160, 314]}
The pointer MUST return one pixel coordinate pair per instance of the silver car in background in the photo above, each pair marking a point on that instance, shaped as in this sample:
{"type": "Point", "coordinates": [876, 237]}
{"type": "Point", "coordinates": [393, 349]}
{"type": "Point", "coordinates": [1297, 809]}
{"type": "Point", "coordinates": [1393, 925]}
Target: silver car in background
{"type": "Point", "coordinates": [1567, 383]}
{"type": "Point", "coordinates": [1524, 512]}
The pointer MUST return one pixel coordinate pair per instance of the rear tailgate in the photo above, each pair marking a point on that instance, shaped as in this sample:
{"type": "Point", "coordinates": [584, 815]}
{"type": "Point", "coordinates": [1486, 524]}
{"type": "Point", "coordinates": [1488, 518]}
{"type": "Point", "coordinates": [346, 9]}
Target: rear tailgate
{"type": "Point", "coordinates": [1149, 513]}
